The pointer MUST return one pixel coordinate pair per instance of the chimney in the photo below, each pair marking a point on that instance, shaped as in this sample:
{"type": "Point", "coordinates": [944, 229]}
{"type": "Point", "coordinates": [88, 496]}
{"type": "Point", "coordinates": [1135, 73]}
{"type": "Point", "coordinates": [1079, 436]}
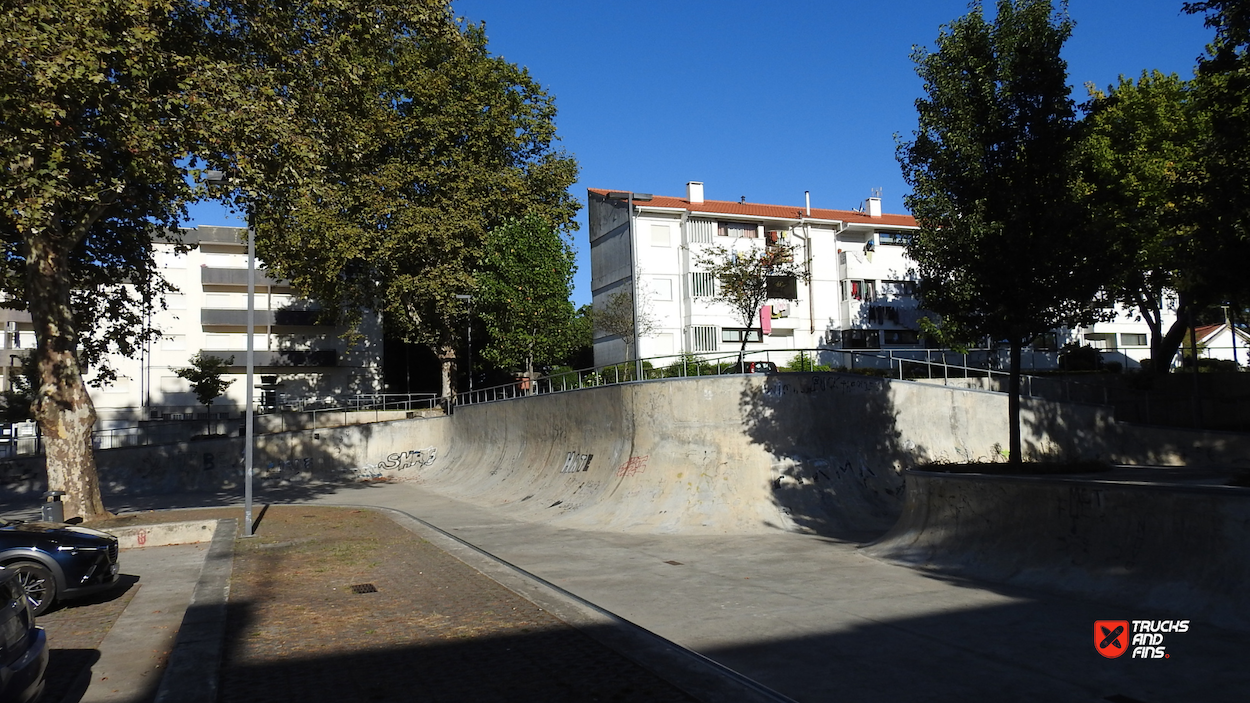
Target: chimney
{"type": "Point", "coordinates": [694, 191]}
{"type": "Point", "coordinates": [874, 206]}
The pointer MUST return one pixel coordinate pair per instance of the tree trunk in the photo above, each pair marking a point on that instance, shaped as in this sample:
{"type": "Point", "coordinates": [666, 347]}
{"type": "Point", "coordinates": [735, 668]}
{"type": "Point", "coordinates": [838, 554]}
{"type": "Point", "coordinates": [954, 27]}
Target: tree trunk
{"type": "Point", "coordinates": [1171, 342]}
{"type": "Point", "coordinates": [1013, 405]}
{"type": "Point", "coordinates": [62, 406]}
{"type": "Point", "coordinates": [447, 355]}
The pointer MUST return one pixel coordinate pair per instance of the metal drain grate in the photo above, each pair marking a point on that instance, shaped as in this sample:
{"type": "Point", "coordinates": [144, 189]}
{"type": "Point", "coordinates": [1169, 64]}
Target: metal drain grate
{"type": "Point", "coordinates": [364, 588]}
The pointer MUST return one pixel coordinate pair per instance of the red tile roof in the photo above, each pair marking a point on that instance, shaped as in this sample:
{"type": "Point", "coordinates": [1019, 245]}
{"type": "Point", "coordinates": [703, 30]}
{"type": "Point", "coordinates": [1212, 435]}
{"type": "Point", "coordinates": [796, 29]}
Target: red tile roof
{"type": "Point", "coordinates": [1207, 330]}
{"type": "Point", "coordinates": [790, 212]}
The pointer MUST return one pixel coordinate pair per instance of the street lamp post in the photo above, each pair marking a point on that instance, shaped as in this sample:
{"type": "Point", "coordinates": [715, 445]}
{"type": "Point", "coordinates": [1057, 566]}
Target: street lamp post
{"type": "Point", "coordinates": [469, 334]}
{"type": "Point", "coordinates": [220, 178]}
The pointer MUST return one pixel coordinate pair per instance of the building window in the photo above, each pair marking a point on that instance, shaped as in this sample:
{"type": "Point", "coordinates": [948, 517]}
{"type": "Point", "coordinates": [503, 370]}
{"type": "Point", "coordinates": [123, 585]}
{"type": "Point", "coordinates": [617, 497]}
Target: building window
{"type": "Point", "coordinates": [901, 336]}
{"type": "Point", "coordinates": [854, 289]}
{"type": "Point", "coordinates": [1101, 340]}
{"type": "Point", "coordinates": [174, 384]}
{"type": "Point", "coordinates": [891, 290]}
{"type": "Point", "coordinates": [702, 285]}
{"type": "Point", "coordinates": [782, 287]}
{"type": "Point", "coordinates": [735, 334]}
{"type": "Point", "coordinates": [701, 231]}
{"type": "Point", "coordinates": [176, 301]}
{"type": "Point", "coordinates": [861, 339]}
{"type": "Point", "coordinates": [737, 229]}
{"type": "Point", "coordinates": [895, 238]}
{"type": "Point", "coordinates": [662, 288]}
{"type": "Point", "coordinates": [660, 236]}
{"type": "Point", "coordinates": [1132, 339]}
{"type": "Point", "coordinates": [703, 339]}
{"type": "Point", "coordinates": [174, 342]}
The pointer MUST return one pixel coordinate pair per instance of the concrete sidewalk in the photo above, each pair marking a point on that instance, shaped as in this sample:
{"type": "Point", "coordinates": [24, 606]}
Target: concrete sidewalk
{"type": "Point", "coordinates": [817, 621]}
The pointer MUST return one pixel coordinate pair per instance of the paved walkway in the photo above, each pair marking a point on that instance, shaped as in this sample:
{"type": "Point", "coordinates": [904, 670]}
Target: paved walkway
{"type": "Point", "coordinates": [808, 617]}
{"type": "Point", "coordinates": [817, 621]}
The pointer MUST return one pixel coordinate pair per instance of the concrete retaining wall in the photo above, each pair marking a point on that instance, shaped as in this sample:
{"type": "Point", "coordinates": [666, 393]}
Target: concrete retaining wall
{"type": "Point", "coordinates": [821, 452]}
{"type": "Point", "coordinates": [1182, 549]}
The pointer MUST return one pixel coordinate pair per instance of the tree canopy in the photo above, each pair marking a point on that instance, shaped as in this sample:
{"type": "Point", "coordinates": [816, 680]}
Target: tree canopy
{"type": "Point", "coordinates": [1002, 249]}
{"type": "Point", "coordinates": [1139, 158]}
{"type": "Point", "coordinates": [454, 144]}
{"type": "Point", "coordinates": [106, 109]}
{"type": "Point", "coordinates": [523, 290]}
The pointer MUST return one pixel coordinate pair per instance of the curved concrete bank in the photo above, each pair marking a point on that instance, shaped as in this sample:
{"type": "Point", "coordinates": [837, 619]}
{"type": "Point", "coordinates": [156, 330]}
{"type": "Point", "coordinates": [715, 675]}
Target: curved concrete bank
{"type": "Point", "coordinates": [725, 454]}
{"type": "Point", "coordinates": [1184, 549]}
{"type": "Point", "coordinates": [722, 455]}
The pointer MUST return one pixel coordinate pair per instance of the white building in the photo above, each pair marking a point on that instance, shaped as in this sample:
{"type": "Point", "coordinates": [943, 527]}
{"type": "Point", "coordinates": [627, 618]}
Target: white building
{"type": "Point", "coordinates": [296, 358]}
{"type": "Point", "coordinates": [860, 293]}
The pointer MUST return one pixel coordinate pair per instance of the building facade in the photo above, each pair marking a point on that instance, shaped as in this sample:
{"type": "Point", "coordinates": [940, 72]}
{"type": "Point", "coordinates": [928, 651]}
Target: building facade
{"type": "Point", "coordinates": [298, 360]}
{"type": "Point", "coordinates": [859, 294]}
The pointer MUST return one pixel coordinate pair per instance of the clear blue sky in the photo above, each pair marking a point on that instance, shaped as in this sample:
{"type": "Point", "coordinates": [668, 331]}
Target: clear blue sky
{"type": "Point", "coordinates": [768, 99]}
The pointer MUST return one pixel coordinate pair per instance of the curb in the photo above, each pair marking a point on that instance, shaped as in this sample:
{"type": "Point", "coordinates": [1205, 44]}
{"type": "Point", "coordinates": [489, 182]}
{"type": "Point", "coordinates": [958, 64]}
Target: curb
{"type": "Point", "coordinates": [195, 662]}
{"type": "Point", "coordinates": [164, 534]}
{"type": "Point", "coordinates": [697, 675]}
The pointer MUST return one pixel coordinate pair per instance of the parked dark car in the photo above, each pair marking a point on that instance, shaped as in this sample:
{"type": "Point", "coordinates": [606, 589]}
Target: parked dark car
{"type": "Point", "coordinates": [23, 647]}
{"type": "Point", "coordinates": [753, 367]}
{"type": "Point", "coordinates": [55, 561]}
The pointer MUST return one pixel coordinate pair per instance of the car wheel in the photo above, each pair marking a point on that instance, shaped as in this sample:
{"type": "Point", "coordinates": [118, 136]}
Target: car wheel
{"type": "Point", "coordinates": [38, 583]}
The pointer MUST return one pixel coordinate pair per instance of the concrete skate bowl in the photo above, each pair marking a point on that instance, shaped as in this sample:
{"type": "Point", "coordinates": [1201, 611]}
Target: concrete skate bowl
{"type": "Point", "coordinates": [721, 455]}
{"type": "Point", "coordinates": [1182, 549]}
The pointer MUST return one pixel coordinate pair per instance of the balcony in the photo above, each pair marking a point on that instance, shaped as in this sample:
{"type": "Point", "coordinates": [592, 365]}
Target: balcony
{"type": "Point", "coordinates": [237, 278]}
{"type": "Point", "coordinates": [284, 358]}
{"type": "Point", "coordinates": [264, 318]}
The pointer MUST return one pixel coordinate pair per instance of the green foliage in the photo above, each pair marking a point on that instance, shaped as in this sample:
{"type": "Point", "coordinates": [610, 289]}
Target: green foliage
{"type": "Point", "coordinates": [450, 144]}
{"type": "Point", "coordinates": [1221, 92]}
{"type": "Point", "coordinates": [1139, 157]}
{"type": "Point", "coordinates": [806, 363]}
{"type": "Point", "coordinates": [1004, 248]}
{"type": "Point", "coordinates": [523, 290]}
{"type": "Point", "coordinates": [205, 376]}
{"type": "Point", "coordinates": [1079, 357]}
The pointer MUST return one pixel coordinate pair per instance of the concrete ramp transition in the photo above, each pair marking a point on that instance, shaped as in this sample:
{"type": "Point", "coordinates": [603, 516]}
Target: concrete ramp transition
{"type": "Point", "coordinates": [725, 455]}
{"type": "Point", "coordinates": [1177, 548]}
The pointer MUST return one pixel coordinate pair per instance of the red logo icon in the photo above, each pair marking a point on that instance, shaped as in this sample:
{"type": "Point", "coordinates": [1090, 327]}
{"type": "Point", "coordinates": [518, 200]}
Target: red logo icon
{"type": "Point", "coordinates": [1111, 637]}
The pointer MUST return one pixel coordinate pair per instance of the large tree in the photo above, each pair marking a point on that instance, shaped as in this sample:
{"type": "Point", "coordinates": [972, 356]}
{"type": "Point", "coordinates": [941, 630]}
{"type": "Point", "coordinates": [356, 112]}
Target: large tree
{"type": "Point", "coordinates": [106, 107]}
{"type": "Point", "coordinates": [1002, 248]}
{"type": "Point", "coordinates": [523, 290]}
{"type": "Point", "coordinates": [1222, 93]}
{"type": "Point", "coordinates": [1139, 166]}
{"type": "Point", "coordinates": [455, 143]}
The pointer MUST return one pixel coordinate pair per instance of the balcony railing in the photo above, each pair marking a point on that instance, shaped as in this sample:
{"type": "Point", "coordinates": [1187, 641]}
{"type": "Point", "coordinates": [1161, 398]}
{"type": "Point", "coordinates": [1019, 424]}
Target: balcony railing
{"type": "Point", "coordinates": [215, 317]}
{"type": "Point", "coordinates": [210, 276]}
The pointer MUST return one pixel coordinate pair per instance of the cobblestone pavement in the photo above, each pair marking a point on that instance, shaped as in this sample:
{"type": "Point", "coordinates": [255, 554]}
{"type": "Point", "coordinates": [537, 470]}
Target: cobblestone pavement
{"type": "Point", "coordinates": [433, 630]}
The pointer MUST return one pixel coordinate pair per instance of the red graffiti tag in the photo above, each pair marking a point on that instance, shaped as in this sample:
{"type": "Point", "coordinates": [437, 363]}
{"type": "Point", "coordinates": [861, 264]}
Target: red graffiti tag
{"type": "Point", "coordinates": [635, 465]}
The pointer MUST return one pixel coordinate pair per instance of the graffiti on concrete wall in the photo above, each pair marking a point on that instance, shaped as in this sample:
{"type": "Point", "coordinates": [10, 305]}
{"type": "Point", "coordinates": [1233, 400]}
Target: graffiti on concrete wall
{"type": "Point", "coordinates": [574, 463]}
{"type": "Point", "coordinates": [397, 461]}
{"type": "Point", "coordinates": [288, 468]}
{"type": "Point", "coordinates": [635, 465]}
{"type": "Point", "coordinates": [821, 384]}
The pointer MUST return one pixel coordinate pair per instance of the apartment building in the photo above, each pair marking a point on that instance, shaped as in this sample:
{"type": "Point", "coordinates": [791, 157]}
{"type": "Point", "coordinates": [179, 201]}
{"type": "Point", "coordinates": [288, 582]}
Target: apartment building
{"type": "Point", "coordinates": [859, 293]}
{"type": "Point", "coordinates": [297, 358]}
